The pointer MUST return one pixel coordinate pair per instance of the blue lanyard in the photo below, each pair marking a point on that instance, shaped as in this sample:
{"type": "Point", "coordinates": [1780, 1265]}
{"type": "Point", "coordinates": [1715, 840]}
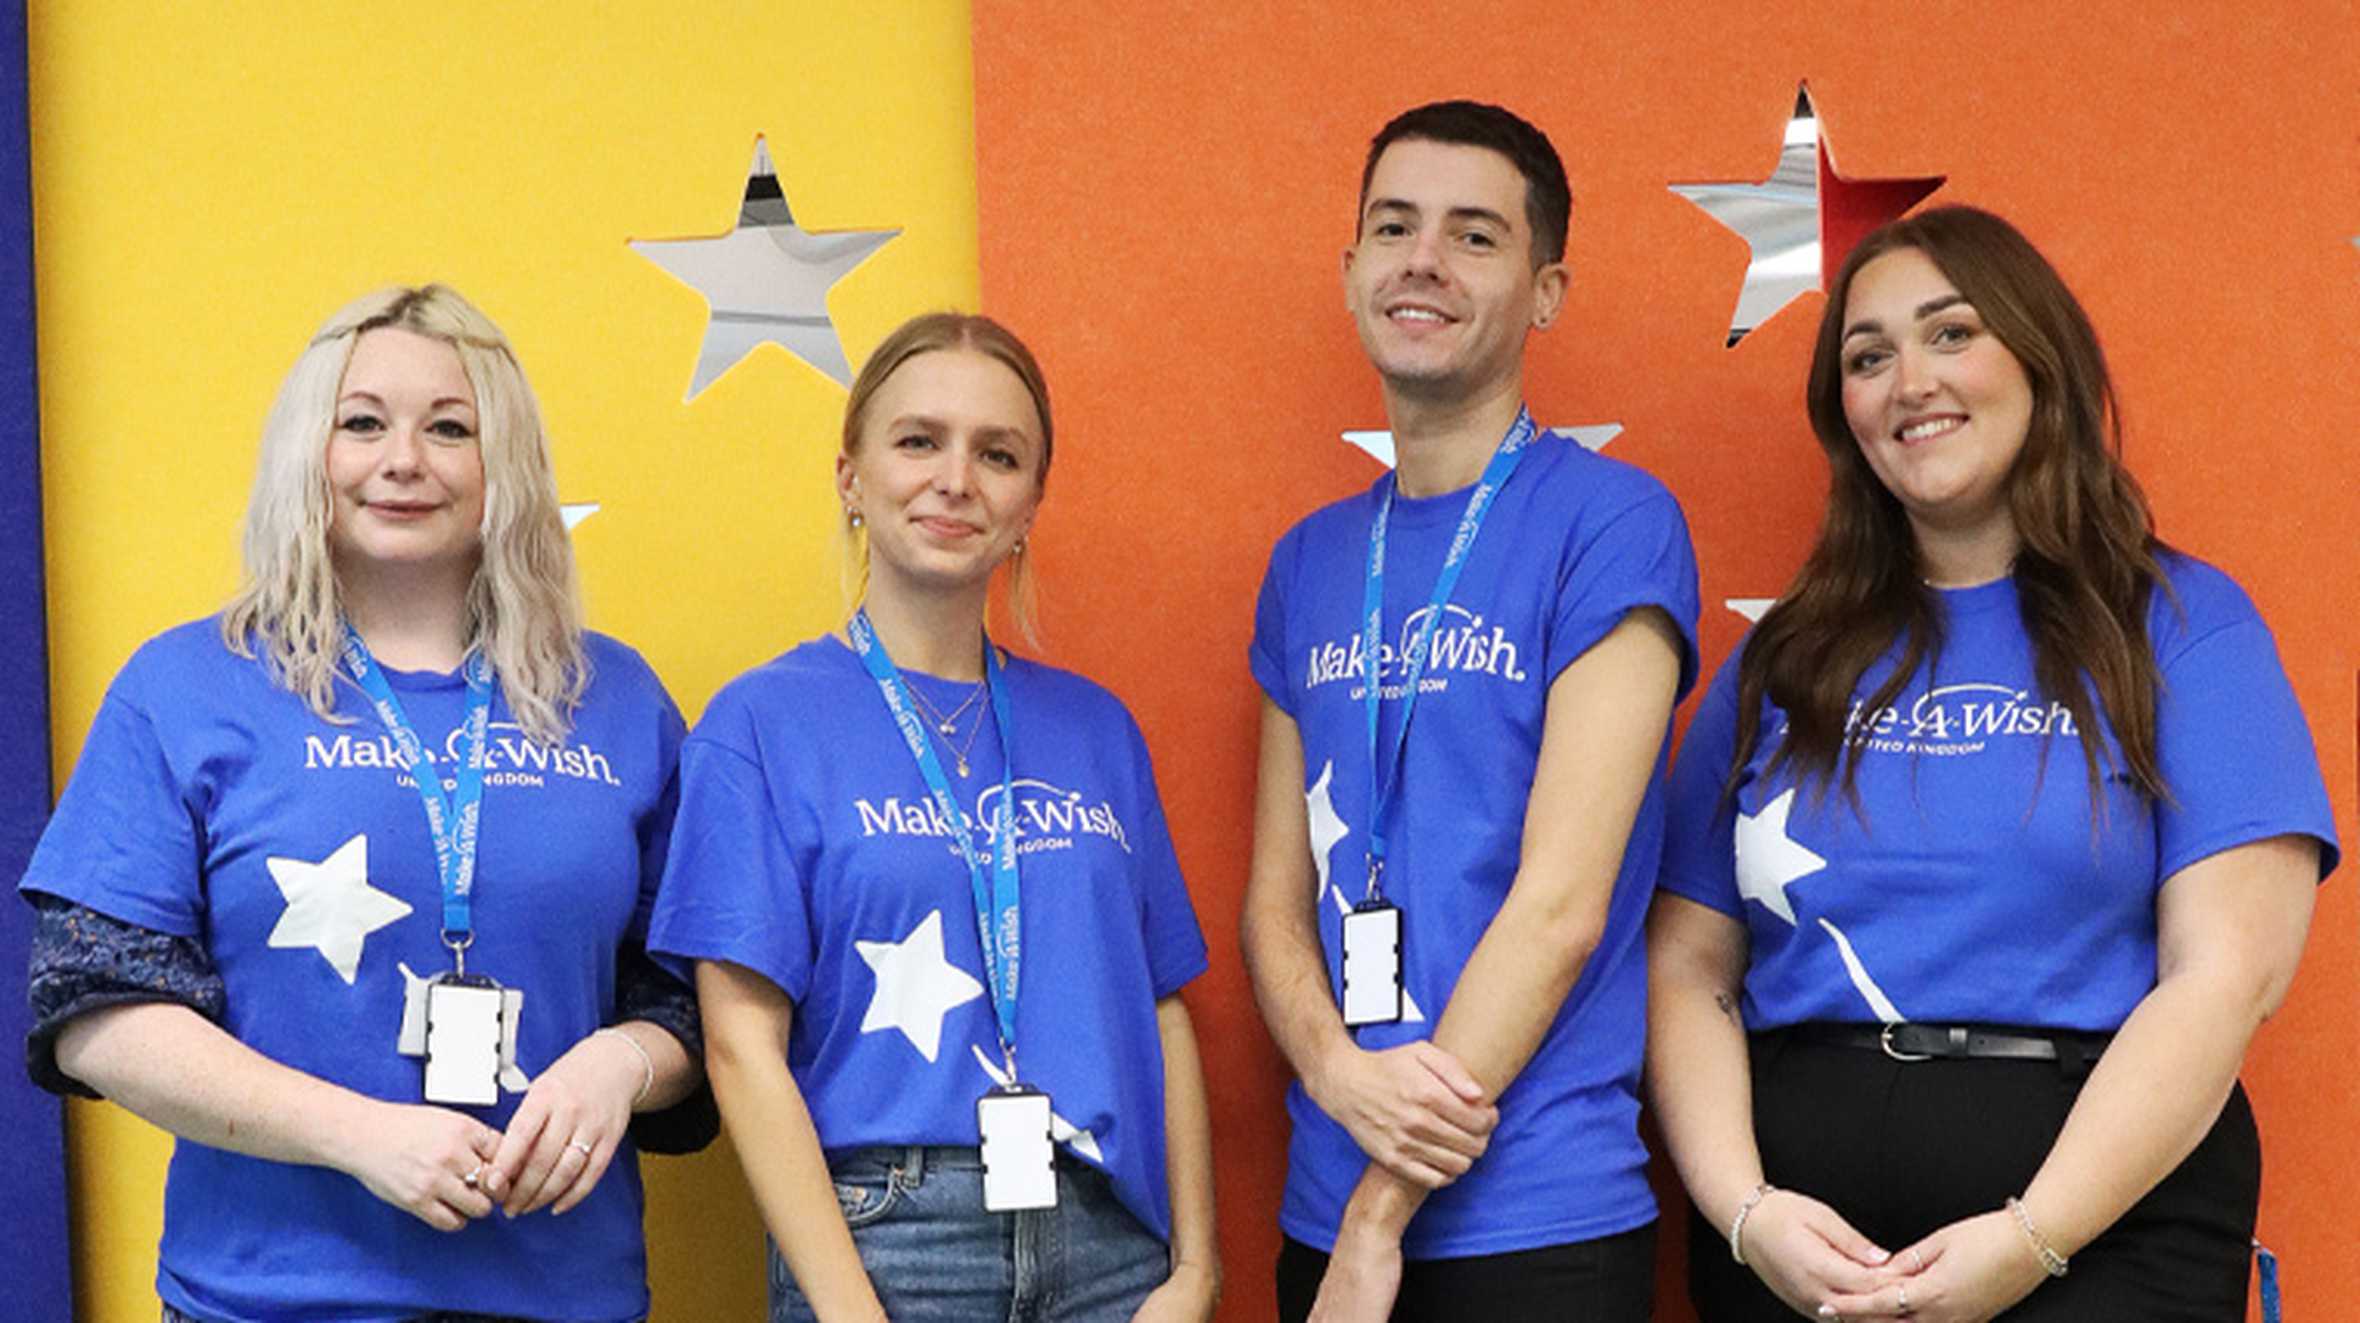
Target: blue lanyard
{"type": "Point", "coordinates": [1384, 779]}
{"type": "Point", "coordinates": [453, 818]}
{"type": "Point", "coordinates": [997, 904]}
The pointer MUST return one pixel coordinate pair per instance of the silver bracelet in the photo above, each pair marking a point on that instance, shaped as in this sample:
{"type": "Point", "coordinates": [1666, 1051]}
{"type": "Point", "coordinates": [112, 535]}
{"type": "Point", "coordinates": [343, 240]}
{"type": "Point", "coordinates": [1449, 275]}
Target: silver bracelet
{"type": "Point", "coordinates": [647, 1064]}
{"type": "Point", "coordinates": [2051, 1262]}
{"type": "Point", "coordinates": [1744, 1211]}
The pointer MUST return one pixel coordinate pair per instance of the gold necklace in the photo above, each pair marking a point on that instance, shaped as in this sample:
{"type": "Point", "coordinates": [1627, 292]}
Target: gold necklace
{"type": "Point", "coordinates": [947, 723]}
{"type": "Point", "coordinates": [974, 733]}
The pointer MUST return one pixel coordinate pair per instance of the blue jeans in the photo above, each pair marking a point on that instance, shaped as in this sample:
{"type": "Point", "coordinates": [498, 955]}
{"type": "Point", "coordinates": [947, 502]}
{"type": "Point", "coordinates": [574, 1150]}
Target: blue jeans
{"type": "Point", "coordinates": [935, 1256]}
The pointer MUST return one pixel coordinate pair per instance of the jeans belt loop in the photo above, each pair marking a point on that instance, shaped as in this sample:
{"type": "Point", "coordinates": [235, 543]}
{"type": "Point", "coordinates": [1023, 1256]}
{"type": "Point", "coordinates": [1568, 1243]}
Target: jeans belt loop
{"type": "Point", "coordinates": [912, 1172]}
{"type": "Point", "coordinates": [1885, 1041]}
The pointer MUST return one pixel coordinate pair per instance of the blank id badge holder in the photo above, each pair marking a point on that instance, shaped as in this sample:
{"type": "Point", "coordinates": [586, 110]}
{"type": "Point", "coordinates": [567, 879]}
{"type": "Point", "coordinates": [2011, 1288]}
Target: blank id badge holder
{"type": "Point", "coordinates": [1019, 1157]}
{"type": "Point", "coordinates": [460, 1024]}
{"type": "Point", "coordinates": [1372, 964]}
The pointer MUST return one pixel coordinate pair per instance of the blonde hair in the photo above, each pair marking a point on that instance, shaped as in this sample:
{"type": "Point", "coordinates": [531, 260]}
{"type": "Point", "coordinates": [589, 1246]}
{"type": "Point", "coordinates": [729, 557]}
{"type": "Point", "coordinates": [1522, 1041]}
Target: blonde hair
{"type": "Point", "coordinates": [523, 605]}
{"type": "Point", "coordinates": [924, 334]}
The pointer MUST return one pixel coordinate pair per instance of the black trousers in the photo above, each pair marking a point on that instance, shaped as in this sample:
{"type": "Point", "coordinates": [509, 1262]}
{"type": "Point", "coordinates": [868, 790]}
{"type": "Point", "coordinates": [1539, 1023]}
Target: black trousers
{"type": "Point", "coordinates": [1607, 1280]}
{"type": "Point", "coordinates": [1902, 1149]}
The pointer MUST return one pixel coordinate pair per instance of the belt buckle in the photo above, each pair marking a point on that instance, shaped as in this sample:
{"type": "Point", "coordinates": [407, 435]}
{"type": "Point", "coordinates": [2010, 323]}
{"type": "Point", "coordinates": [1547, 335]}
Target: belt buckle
{"type": "Point", "coordinates": [1885, 1041]}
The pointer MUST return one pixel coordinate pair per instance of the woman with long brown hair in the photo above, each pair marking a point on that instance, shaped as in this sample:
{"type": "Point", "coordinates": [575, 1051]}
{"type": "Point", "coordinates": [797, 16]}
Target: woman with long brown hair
{"type": "Point", "coordinates": [1989, 849]}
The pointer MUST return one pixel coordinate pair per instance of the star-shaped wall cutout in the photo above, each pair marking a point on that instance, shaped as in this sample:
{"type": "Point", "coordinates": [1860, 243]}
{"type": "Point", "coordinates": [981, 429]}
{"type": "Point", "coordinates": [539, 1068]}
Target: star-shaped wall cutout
{"type": "Point", "coordinates": [1592, 436]}
{"type": "Point", "coordinates": [1768, 859]}
{"type": "Point", "coordinates": [330, 905]}
{"type": "Point", "coordinates": [766, 281]}
{"type": "Point", "coordinates": [1802, 220]}
{"type": "Point", "coordinates": [916, 986]}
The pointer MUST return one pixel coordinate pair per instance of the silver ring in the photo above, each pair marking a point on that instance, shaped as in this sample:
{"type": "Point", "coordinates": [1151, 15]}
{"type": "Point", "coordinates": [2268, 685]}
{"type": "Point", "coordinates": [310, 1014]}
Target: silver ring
{"type": "Point", "coordinates": [578, 1146]}
{"type": "Point", "coordinates": [1917, 1259]}
{"type": "Point", "coordinates": [472, 1177]}
{"type": "Point", "coordinates": [1903, 1288]}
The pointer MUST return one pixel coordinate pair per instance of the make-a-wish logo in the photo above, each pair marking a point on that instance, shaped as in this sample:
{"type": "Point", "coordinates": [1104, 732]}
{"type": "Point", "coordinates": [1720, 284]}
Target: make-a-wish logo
{"type": "Point", "coordinates": [510, 759]}
{"type": "Point", "coordinates": [1959, 719]}
{"type": "Point", "coordinates": [1462, 644]}
{"type": "Point", "coordinates": [1047, 817]}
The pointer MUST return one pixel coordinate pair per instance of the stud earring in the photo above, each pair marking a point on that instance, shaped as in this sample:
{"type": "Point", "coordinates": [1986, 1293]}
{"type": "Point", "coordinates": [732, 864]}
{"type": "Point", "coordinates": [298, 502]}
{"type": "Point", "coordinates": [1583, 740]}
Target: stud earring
{"type": "Point", "coordinates": [852, 518]}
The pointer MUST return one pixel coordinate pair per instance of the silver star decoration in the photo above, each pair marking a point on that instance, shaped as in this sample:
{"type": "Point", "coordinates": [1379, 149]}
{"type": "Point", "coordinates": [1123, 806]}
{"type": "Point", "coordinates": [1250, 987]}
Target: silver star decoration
{"type": "Point", "coordinates": [1593, 436]}
{"type": "Point", "coordinates": [330, 905]}
{"type": "Point", "coordinates": [1751, 608]}
{"type": "Point", "coordinates": [767, 280]}
{"type": "Point", "coordinates": [1768, 859]}
{"type": "Point", "coordinates": [916, 986]}
{"type": "Point", "coordinates": [1784, 221]}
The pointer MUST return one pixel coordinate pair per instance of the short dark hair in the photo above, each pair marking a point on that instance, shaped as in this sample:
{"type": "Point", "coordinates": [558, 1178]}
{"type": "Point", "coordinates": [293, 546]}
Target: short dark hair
{"type": "Point", "coordinates": [1548, 201]}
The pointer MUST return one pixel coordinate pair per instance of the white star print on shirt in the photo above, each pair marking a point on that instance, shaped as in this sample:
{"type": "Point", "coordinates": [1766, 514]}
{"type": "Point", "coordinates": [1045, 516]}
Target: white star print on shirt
{"type": "Point", "coordinates": [330, 905]}
{"type": "Point", "coordinates": [916, 986]}
{"type": "Point", "coordinates": [1769, 860]}
{"type": "Point", "coordinates": [1327, 832]}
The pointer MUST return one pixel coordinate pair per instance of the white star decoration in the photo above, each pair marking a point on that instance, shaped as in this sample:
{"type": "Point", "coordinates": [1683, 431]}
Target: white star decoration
{"type": "Point", "coordinates": [1327, 826]}
{"type": "Point", "coordinates": [1593, 436]}
{"type": "Point", "coordinates": [916, 986]}
{"type": "Point", "coordinates": [1768, 860]}
{"type": "Point", "coordinates": [1327, 832]}
{"type": "Point", "coordinates": [766, 280]}
{"type": "Point", "coordinates": [1879, 1004]}
{"type": "Point", "coordinates": [1749, 607]}
{"type": "Point", "coordinates": [575, 512]}
{"type": "Point", "coordinates": [330, 905]}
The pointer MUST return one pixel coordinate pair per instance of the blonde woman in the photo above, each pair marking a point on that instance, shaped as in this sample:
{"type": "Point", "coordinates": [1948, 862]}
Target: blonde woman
{"type": "Point", "coordinates": [378, 1008]}
{"type": "Point", "coordinates": [937, 1127]}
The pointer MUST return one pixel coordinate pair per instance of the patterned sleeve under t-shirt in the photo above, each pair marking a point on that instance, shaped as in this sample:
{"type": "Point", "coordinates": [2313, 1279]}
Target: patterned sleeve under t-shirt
{"type": "Point", "coordinates": [213, 806]}
{"type": "Point", "coordinates": [1979, 882]}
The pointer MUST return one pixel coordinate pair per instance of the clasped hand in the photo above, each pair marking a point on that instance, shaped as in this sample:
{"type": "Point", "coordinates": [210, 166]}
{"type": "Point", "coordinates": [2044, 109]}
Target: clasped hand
{"type": "Point", "coordinates": [1811, 1258]}
{"type": "Point", "coordinates": [446, 1168]}
{"type": "Point", "coordinates": [1414, 1109]}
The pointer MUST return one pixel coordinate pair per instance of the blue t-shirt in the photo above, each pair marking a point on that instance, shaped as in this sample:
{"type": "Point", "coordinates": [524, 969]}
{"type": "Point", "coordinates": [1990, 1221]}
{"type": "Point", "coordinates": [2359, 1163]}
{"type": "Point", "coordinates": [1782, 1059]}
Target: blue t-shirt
{"type": "Point", "coordinates": [1972, 887]}
{"type": "Point", "coordinates": [212, 803]}
{"type": "Point", "coordinates": [809, 851]}
{"type": "Point", "coordinates": [1574, 543]}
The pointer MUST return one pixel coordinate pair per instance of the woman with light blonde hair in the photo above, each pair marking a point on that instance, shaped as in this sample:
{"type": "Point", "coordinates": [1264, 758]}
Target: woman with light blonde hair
{"type": "Point", "coordinates": [349, 889]}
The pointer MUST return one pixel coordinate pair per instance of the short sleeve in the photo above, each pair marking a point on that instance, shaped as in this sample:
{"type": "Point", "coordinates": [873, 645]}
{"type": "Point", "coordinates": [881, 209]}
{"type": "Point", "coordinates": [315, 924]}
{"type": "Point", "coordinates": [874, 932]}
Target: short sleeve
{"type": "Point", "coordinates": [126, 839]}
{"type": "Point", "coordinates": [2235, 751]}
{"type": "Point", "coordinates": [655, 827]}
{"type": "Point", "coordinates": [732, 890]}
{"type": "Point", "coordinates": [1699, 848]}
{"type": "Point", "coordinates": [1175, 942]}
{"type": "Point", "coordinates": [1640, 558]}
{"type": "Point", "coordinates": [1267, 655]}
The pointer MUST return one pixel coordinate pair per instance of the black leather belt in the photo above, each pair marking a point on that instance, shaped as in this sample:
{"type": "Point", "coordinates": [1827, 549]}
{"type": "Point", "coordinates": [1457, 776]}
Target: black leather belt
{"type": "Point", "coordinates": [1926, 1042]}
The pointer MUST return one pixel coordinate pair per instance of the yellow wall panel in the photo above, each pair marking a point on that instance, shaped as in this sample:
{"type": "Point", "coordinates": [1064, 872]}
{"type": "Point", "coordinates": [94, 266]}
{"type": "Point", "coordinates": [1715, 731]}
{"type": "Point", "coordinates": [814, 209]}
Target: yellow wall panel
{"type": "Point", "coordinates": [211, 180]}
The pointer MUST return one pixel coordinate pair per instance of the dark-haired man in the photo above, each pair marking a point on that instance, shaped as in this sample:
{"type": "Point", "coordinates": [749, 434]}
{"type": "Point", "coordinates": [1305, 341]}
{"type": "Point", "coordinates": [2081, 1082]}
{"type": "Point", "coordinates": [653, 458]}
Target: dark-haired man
{"type": "Point", "coordinates": [1450, 873]}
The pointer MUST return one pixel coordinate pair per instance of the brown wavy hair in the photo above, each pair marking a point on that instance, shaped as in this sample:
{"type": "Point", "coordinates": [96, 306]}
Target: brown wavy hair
{"type": "Point", "coordinates": [2084, 574]}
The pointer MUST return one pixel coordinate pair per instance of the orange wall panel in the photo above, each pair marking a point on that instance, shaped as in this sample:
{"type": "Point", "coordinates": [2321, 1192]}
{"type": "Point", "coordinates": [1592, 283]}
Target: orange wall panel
{"type": "Point", "coordinates": [1164, 193]}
